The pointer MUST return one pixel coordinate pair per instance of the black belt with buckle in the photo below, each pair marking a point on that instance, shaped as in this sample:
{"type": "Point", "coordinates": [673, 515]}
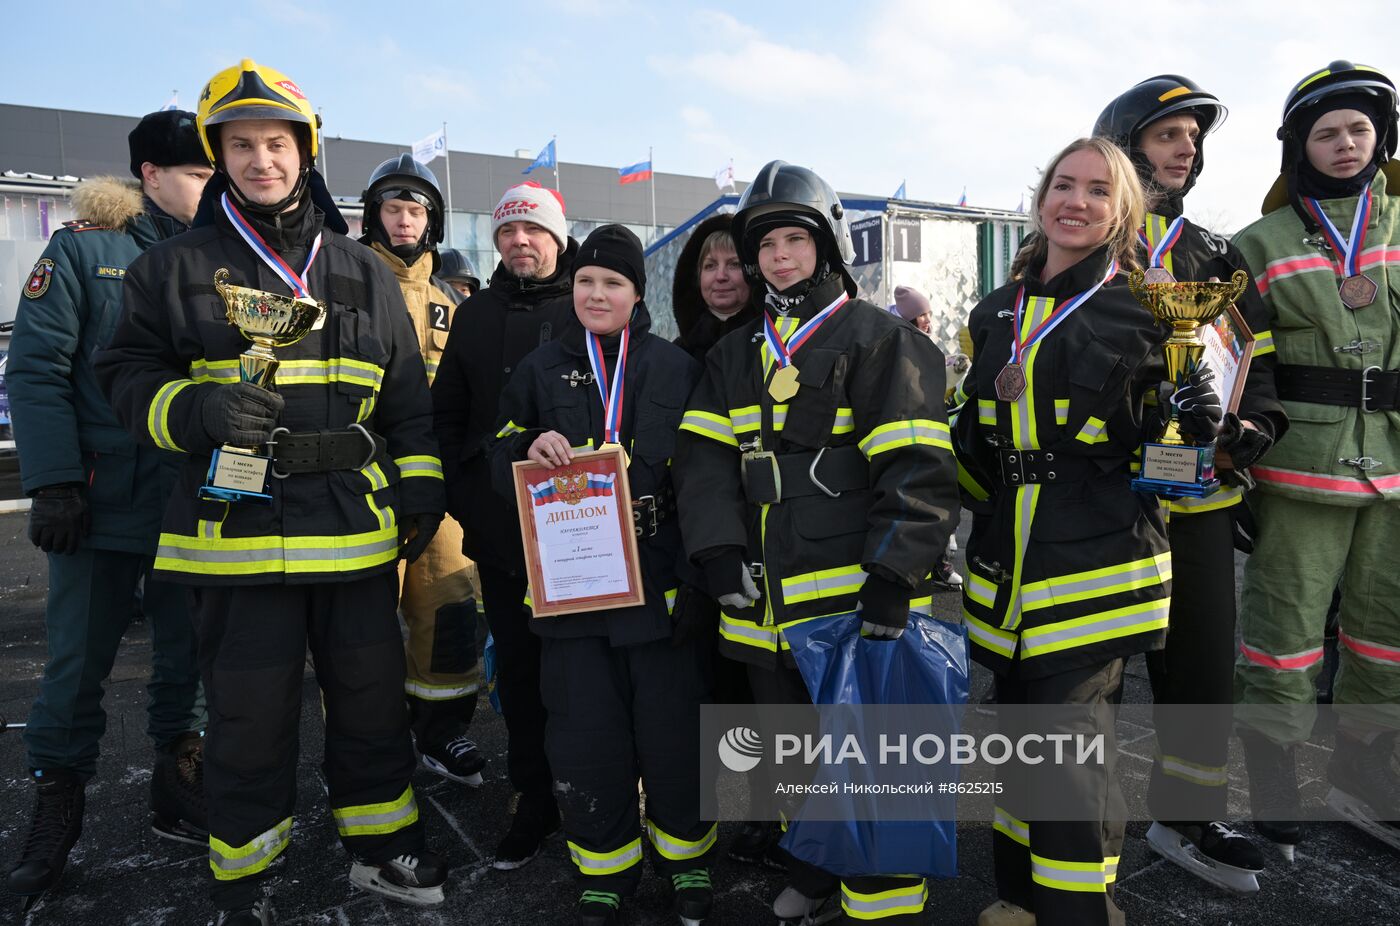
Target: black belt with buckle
{"type": "Point", "coordinates": [296, 452]}
{"type": "Point", "coordinates": [777, 477]}
{"type": "Point", "coordinates": [1371, 389]}
{"type": "Point", "coordinates": [1043, 467]}
{"type": "Point", "coordinates": [648, 511]}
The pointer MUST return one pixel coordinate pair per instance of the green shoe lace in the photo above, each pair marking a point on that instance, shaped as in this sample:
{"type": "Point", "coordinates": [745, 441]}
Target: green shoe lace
{"type": "Point", "coordinates": [695, 878]}
{"type": "Point", "coordinates": [607, 898]}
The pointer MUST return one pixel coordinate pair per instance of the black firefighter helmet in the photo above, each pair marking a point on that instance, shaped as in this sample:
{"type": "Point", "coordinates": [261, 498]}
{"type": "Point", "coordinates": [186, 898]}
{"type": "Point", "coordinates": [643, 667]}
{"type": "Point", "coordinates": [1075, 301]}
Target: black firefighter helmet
{"type": "Point", "coordinates": [785, 194]}
{"type": "Point", "coordinates": [1123, 120]}
{"type": "Point", "coordinates": [457, 267]}
{"type": "Point", "coordinates": [404, 178]}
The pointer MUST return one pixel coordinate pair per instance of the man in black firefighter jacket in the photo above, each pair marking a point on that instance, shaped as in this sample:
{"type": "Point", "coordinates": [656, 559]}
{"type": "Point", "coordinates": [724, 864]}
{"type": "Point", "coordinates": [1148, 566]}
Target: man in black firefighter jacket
{"type": "Point", "coordinates": [526, 303]}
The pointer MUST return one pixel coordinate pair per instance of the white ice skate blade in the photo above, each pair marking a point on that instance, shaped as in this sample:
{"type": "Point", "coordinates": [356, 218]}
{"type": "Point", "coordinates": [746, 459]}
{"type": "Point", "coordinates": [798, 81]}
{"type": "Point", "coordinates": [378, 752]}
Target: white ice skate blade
{"type": "Point", "coordinates": [474, 780]}
{"type": "Point", "coordinates": [1180, 851]}
{"type": "Point", "coordinates": [1359, 814]}
{"type": "Point", "coordinates": [180, 833]}
{"type": "Point", "coordinates": [368, 878]}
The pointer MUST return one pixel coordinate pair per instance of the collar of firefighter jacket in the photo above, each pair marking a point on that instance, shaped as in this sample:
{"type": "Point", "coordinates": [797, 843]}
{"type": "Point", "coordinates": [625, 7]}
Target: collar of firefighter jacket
{"type": "Point", "coordinates": [417, 272]}
{"type": "Point", "coordinates": [821, 296]}
{"type": "Point", "coordinates": [575, 341]}
{"type": "Point", "coordinates": [1073, 281]}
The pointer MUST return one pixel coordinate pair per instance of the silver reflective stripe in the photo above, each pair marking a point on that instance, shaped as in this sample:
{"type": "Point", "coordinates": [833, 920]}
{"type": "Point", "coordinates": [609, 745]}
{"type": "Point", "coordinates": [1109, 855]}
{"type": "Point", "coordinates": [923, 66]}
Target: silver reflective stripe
{"type": "Point", "coordinates": [745, 421]}
{"type": "Point", "coordinates": [1011, 827]}
{"type": "Point", "coordinates": [1039, 596]}
{"type": "Point", "coordinates": [1206, 776]}
{"type": "Point", "coordinates": [420, 467]}
{"type": "Point", "coordinates": [930, 432]}
{"type": "Point", "coordinates": [1026, 497]}
{"type": "Point", "coordinates": [980, 590]}
{"type": "Point", "coordinates": [748, 631]}
{"type": "Point", "coordinates": [624, 858]}
{"type": "Point", "coordinates": [349, 822]}
{"type": "Point", "coordinates": [1032, 641]}
{"type": "Point", "coordinates": [268, 844]}
{"type": "Point", "coordinates": [679, 851]}
{"type": "Point", "coordinates": [365, 549]}
{"type": "Point", "coordinates": [911, 898]}
{"type": "Point", "coordinates": [1051, 870]}
{"type": "Point", "coordinates": [438, 692]}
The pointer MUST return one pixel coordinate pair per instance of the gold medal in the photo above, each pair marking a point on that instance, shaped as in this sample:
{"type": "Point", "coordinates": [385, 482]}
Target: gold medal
{"type": "Point", "coordinates": [1011, 382]}
{"type": "Point", "coordinates": [1357, 291]}
{"type": "Point", "coordinates": [783, 386]}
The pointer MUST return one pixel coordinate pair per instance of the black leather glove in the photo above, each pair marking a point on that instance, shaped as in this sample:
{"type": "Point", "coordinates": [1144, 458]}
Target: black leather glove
{"type": "Point", "coordinates": [694, 617]}
{"type": "Point", "coordinates": [415, 533]}
{"type": "Point", "coordinates": [240, 414]}
{"type": "Point", "coordinates": [59, 518]}
{"type": "Point", "coordinates": [1198, 406]}
{"type": "Point", "coordinates": [728, 579]}
{"type": "Point", "coordinates": [1244, 445]}
{"type": "Point", "coordinates": [884, 608]}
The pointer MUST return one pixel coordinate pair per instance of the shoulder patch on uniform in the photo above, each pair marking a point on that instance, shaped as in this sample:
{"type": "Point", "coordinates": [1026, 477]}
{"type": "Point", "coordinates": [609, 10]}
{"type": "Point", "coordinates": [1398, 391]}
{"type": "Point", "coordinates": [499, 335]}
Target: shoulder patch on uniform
{"type": "Point", "coordinates": [82, 225]}
{"type": "Point", "coordinates": [109, 273]}
{"type": "Point", "coordinates": [39, 279]}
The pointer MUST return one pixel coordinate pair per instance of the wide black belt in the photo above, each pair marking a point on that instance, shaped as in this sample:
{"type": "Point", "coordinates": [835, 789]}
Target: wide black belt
{"type": "Point", "coordinates": [1043, 467]}
{"type": "Point", "coordinates": [1371, 389]}
{"type": "Point", "coordinates": [777, 477]}
{"type": "Point", "coordinates": [648, 511]}
{"type": "Point", "coordinates": [323, 451]}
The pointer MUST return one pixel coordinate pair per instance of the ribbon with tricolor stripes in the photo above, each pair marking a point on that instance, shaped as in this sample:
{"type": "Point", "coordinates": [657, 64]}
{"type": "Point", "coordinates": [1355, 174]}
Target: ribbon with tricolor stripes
{"type": "Point", "coordinates": [1019, 346]}
{"type": "Point", "coordinates": [1157, 253]}
{"type": "Point", "coordinates": [782, 353]}
{"type": "Point", "coordinates": [609, 390]}
{"type": "Point", "coordinates": [1349, 250]}
{"type": "Point", "coordinates": [296, 281]}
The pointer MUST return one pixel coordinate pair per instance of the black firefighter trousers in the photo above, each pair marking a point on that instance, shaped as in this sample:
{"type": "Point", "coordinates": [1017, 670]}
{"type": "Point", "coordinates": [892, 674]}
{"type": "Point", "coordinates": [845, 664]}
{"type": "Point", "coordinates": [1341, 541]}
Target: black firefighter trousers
{"type": "Point", "coordinates": [616, 714]}
{"type": "Point", "coordinates": [252, 652]}
{"type": "Point", "coordinates": [517, 680]}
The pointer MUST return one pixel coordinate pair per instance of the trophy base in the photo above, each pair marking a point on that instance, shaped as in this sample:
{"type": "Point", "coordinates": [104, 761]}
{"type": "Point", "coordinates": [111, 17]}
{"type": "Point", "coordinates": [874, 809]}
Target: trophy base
{"type": "Point", "coordinates": [1177, 471]}
{"type": "Point", "coordinates": [237, 475]}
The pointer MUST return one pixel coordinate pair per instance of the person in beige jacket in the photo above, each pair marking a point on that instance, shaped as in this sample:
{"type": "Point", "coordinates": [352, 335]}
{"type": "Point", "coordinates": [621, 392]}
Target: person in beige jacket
{"type": "Point", "coordinates": [404, 225]}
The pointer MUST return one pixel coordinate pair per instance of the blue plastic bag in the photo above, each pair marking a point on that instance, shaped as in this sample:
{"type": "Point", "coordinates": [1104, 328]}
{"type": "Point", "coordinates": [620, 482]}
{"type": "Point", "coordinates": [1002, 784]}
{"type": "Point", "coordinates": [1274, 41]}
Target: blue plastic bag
{"type": "Point", "coordinates": [926, 665]}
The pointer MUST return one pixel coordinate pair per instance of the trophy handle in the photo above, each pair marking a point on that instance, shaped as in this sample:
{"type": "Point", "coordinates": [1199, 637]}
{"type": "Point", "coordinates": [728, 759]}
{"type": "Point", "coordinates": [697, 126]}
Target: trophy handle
{"type": "Point", "coordinates": [1239, 282]}
{"type": "Point", "coordinates": [1136, 287]}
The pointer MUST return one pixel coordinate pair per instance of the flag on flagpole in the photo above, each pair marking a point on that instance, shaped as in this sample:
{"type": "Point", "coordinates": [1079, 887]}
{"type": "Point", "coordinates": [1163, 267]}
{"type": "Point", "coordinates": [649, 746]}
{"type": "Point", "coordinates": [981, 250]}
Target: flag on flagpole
{"type": "Point", "coordinates": [724, 178]}
{"type": "Point", "coordinates": [1021, 206]}
{"type": "Point", "coordinates": [544, 159]}
{"type": "Point", "coordinates": [962, 200]}
{"type": "Point", "coordinates": [635, 173]}
{"type": "Point", "coordinates": [899, 193]}
{"type": "Point", "coordinates": [434, 146]}
{"type": "Point", "coordinates": [173, 103]}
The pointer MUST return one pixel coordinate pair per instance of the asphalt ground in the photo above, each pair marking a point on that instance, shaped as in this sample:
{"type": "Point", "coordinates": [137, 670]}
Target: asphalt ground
{"type": "Point", "coordinates": [119, 873]}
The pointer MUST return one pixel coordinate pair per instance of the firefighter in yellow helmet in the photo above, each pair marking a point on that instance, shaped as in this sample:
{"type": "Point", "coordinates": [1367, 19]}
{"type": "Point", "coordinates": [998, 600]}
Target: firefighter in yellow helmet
{"type": "Point", "coordinates": [308, 557]}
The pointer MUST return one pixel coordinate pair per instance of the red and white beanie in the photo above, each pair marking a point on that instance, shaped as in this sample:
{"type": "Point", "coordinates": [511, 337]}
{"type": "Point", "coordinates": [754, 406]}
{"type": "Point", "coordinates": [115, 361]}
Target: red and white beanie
{"type": "Point", "coordinates": [530, 202]}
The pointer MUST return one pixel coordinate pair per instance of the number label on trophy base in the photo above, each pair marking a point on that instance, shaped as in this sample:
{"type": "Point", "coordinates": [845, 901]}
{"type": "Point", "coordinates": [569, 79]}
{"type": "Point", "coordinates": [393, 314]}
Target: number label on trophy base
{"type": "Point", "coordinates": [1175, 471]}
{"type": "Point", "coordinates": [237, 475]}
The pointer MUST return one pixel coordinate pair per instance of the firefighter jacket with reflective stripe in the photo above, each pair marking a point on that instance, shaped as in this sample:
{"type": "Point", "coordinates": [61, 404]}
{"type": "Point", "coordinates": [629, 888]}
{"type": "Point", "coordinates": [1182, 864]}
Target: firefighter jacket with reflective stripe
{"type": "Point", "coordinates": [1333, 454]}
{"type": "Point", "coordinates": [869, 383]}
{"type": "Point", "coordinates": [550, 392]}
{"type": "Point", "coordinates": [1071, 570]}
{"type": "Point", "coordinates": [174, 345]}
{"type": "Point", "coordinates": [1199, 255]}
{"type": "Point", "coordinates": [65, 431]}
{"type": "Point", "coordinates": [500, 325]}
{"type": "Point", "coordinates": [430, 306]}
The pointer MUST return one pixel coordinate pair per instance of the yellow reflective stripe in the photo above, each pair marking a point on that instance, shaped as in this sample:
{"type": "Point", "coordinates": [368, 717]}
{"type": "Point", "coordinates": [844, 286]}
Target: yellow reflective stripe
{"type": "Point", "coordinates": [367, 407]}
{"type": "Point", "coordinates": [605, 863]}
{"type": "Point", "coordinates": [897, 902]}
{"type": "Point", "coordinates": [377, 819]}
{"type": "Point", "coordinates": [1092, 432]}
{"type": "Point", "coordinates": [670, 595]}
{"type": "Point", "coordinates": [426, 692]}
{"type": "Point", "coordinates": [986, 411]}
{"type": "Point", "coordinates": [1222, 498]}
{"type": "Point", "coordinates": [232, 556]}
{"type": "Point", "coordinates": [747, 418]}
{"type": "Point", "coordinates": [1062, 411]}
{"type": "Point", "coordinates": [230, 863]}
{"type": "Point", "coordinates": [708, 424]}
{"type": "Point", "coordinates": [845, 421]}
{"type": "Point", "coordinates": [214, 371]}
{"type": "Point", "coordinates": [1095, 628]}
{"type": "Point", "coordinates": [1110, 868]}
{"type": "Point", "coordinates": [896, 434]}
{"type": "Point", "coordinates": [748, 633]}
{"type": "Point", "coordinates": [1070, 876]}
{"type": "Point", "coordinates": [158, 414]}
{"type": "Point", "coordinates": [294, 372]}
{"type": "Point", "coordinates": [1208, 776]}
{"type": "Point", "coordinates": [989, 637]}
{"type": "Point", "coordinates": [1010, 827]}
{"type": "Point", "coordinates": [824, 583]}
{"type": "Point", "coordinates": [1097, 583]}
{"type": "Point", "coordinates": [970, 484]}
{"type": "Point", "coordinates": [212, 529]}
{"type": "Point", "coordinates": [510, 428]}
{"type": "Point", "coordinates": [980, 590]}
{"type": "Point", "coordinates": [922, 605]}
{"type": "Point", "coordinates": [1263, 343]}
{"type": "Point", "coordinates": [1027, 497]}
{"type": "Point", "coordinates": [419, 465]}
{"type": "Point", "coordinates": [677, 849]}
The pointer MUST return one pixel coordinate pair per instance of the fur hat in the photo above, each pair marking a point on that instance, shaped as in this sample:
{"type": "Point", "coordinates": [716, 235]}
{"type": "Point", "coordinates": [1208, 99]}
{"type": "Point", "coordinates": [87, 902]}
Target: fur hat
{"type": "Point", "coordinates": [167, 139]}
{"type": "Point", "coordinates": [530, 202]}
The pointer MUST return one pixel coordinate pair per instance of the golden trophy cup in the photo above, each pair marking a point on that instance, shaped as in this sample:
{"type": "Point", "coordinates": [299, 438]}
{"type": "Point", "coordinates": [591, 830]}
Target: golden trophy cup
{"type": "Point", "coordinates": [1176, 466]}
{"type": "Point", "coordinates": [238, 474]}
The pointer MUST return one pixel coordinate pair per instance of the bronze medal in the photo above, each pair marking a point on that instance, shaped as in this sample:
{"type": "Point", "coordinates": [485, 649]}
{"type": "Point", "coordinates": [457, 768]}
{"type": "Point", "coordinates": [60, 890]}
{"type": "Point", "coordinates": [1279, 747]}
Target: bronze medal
{"type": "Point", "coordinates": [1357, 291]}
{"type": "Point", "coordinates": [1011, 382]}
{"type": "Point", "coordinates": [783, 386]}
{"type": "Point", "coordinates": [1157, 275]}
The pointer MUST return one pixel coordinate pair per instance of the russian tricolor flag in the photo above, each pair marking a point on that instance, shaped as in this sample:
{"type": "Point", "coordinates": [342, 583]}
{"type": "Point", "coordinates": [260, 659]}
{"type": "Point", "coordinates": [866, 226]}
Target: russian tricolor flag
{"type": "Point", "coordinates": [637, 173]}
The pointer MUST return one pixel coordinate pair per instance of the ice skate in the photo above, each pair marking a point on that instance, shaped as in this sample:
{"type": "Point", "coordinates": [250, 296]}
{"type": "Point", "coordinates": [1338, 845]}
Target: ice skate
{"type": "Point", "coordinates": [55, 826]}
{"type": "Point", "coordinates": [410, 879]}
{"type": "Point", "coordinates": [456, 759]}
{"type": "Point", "coordinates": [757, 844]}
{"type": "Point", "coordinates": [693, 896]}
{"type": "Point", "coordinates": [793, 908]}
{"type": "Point", "coordinates": [1215, 852]}
{"type": "Point", "coordinates": [1002, 913]}
{"type": "Point", "coordinates": [598, 908]}
{"type": "Point", "coordinates": [1365, 787]}
{"type": "Point", "coordinates": [258, 913]}
{"type": "Point", "coordinates": [178, 809]}
{"type": "Point", "coordinates": [1273, 791]}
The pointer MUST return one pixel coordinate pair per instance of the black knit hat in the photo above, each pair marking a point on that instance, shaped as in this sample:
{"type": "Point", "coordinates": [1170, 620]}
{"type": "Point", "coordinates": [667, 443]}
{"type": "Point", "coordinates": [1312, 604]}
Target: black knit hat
{"type": "Point", "coordinates": [616, 248]}
{"type": "Point", "coordinates": [166, 139]}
